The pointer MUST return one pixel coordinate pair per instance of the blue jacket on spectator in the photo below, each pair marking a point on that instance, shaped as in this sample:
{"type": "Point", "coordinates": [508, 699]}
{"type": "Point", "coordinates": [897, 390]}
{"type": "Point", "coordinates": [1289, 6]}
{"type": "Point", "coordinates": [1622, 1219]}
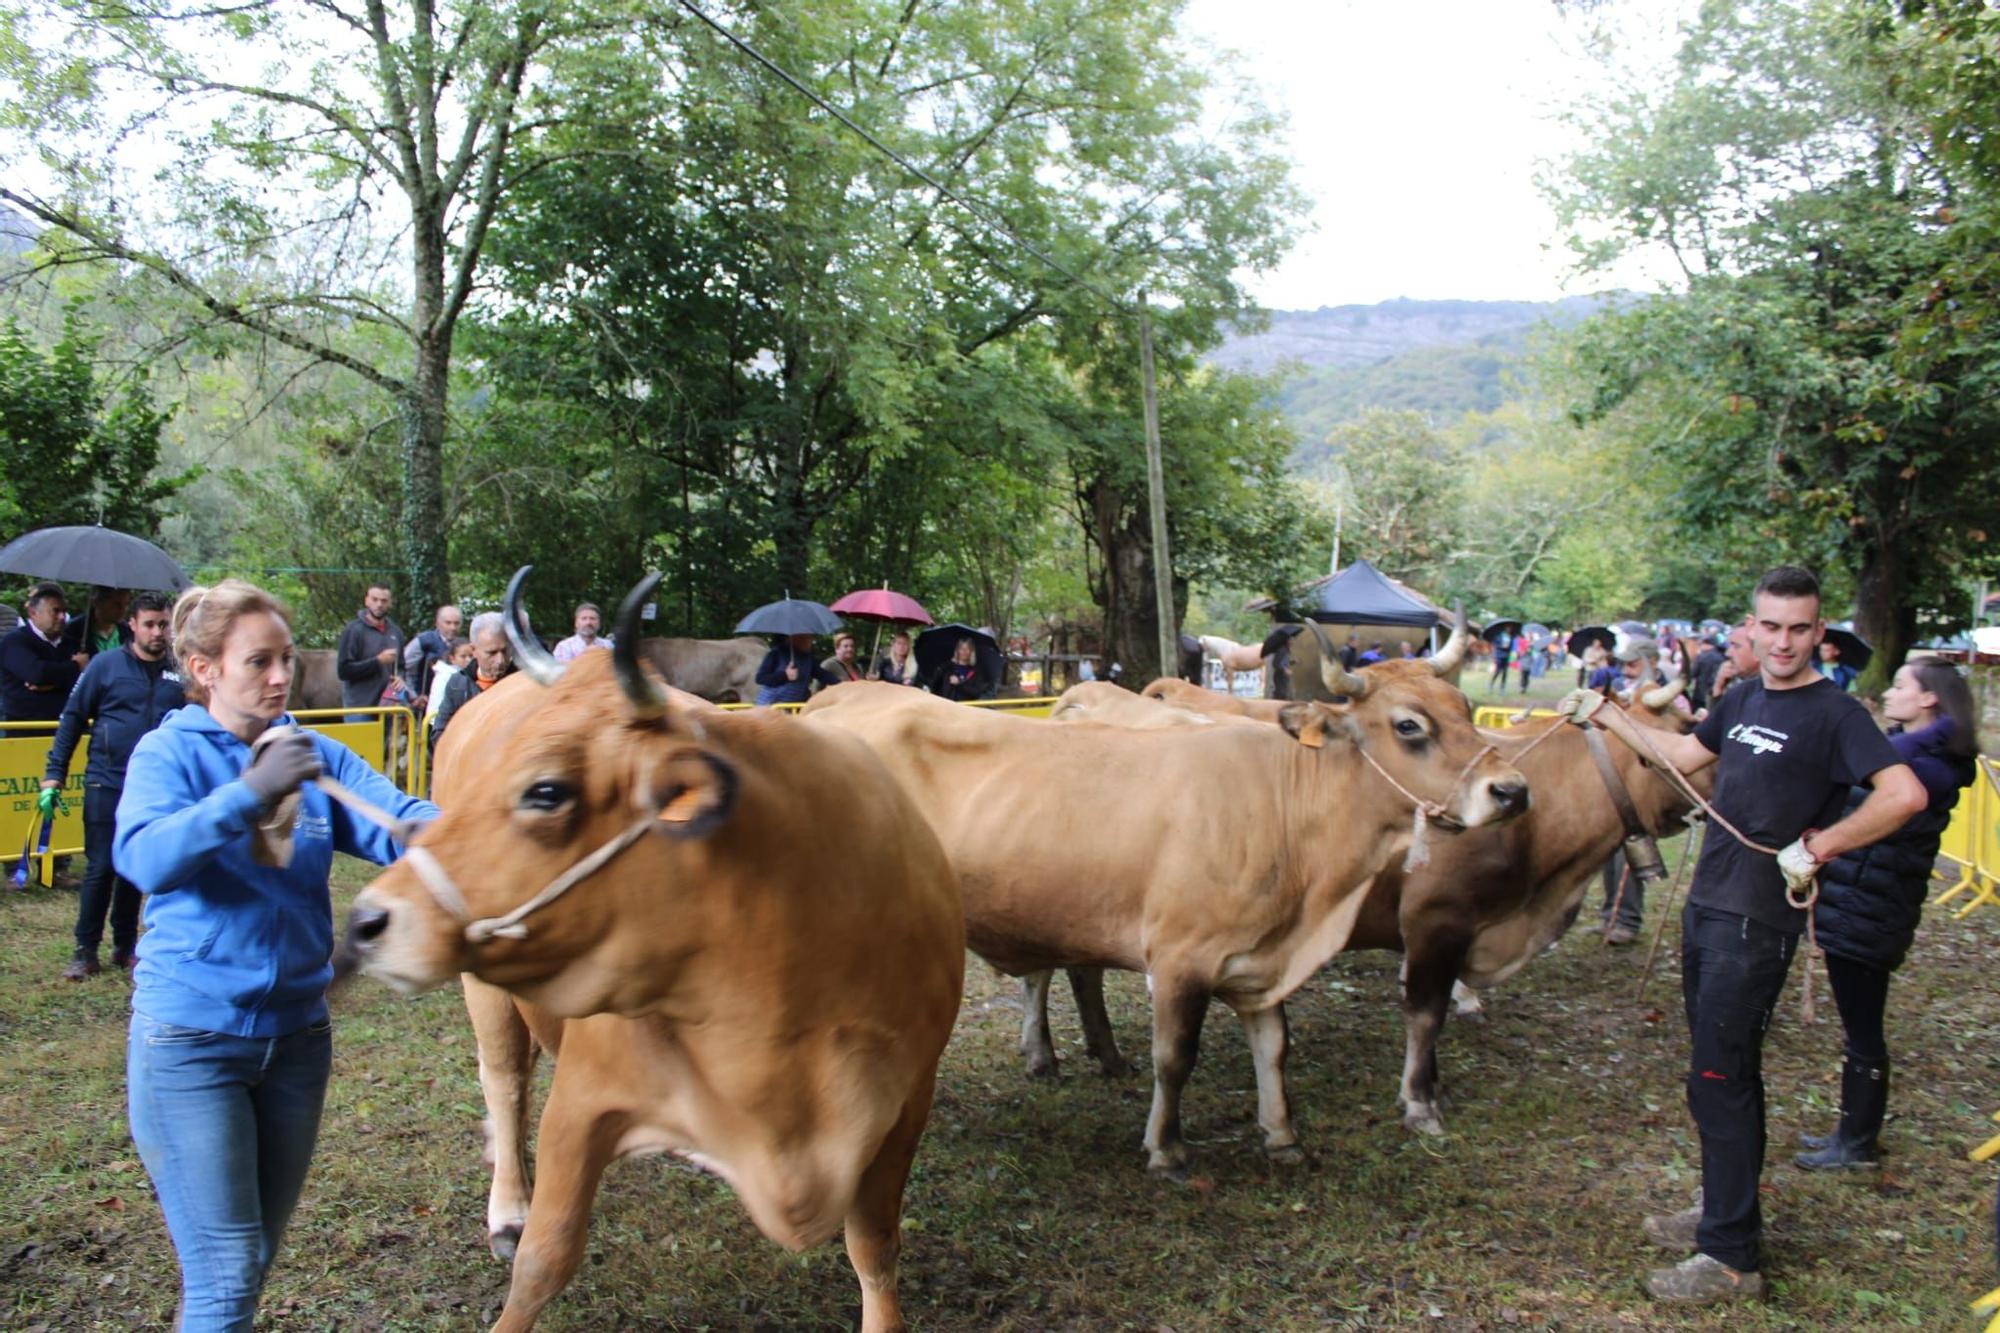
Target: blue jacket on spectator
{"type": "Point", "coordinates": [26, 658]}
{"type": "Point", "coordinates": [773, 688]}
{"type": "Point", "coordinates": [120, 699]}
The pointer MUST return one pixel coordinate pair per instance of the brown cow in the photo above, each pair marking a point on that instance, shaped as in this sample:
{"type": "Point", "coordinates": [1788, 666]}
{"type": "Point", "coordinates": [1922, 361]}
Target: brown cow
{"type": "Point", "coordinates": [719, 670]}
{"type": "Point", "coordinates": [1196, 698]}
{"type": "Point", "coordinates": [1488, 902]}
{"type": "Point", "coordinates": [1114, 705]}
{"type": "Point", "coordinates": [315, 683]}
{"type": "Point", "coordinates": [757, 971]}
{"type": "Point", "coordinates": [1104, 847]}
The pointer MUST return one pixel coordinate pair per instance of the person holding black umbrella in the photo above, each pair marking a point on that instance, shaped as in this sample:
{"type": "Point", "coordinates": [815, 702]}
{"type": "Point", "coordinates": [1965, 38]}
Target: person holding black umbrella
{"type": "Point", "coordinates": [788, 671]}
{"type": "Point", "coordinates": [960, 679]}
{"type": "Point", "coordinates": [36, 675]}
{"type": "Point", "coordinates": [101, 628]}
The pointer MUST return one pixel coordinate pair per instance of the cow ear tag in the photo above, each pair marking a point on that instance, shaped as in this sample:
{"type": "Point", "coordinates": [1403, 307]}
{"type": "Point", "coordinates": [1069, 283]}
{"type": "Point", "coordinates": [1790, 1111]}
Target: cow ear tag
{"type": "Point", "coordinates": [1306, 724]}
{"type": "Point", "coordinates": [697, 793]}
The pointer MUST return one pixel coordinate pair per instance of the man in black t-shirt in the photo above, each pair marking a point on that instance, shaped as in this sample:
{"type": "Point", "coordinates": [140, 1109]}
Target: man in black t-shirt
{"type": "Point", "coordinates": [1790, 746]}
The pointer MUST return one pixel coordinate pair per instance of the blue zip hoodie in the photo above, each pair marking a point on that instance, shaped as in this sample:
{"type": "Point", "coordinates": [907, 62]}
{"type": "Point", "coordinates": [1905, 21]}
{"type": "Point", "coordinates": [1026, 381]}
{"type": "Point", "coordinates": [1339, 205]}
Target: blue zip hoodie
{"type": "Point", "coordinates": [232, 946]}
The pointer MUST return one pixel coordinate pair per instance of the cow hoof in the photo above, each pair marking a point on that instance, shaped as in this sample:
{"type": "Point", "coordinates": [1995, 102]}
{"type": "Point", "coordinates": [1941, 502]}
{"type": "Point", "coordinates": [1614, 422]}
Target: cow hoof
{"type": "Point", "coordinates": [1425, 1121]}
{"type": "Point", "coordinates": [1043, 1066]}
{"type": "Point", "coordinates": [504, 1242]}
{"type": "Point", "coordinates": [1474, 1014]}
{"type": "Point", "coordinates": [1285, 1154]}
{"type": "Point", "coordinates": [1170, 1171]}
{"type": "Point", "coordinates": [1117, 1067]}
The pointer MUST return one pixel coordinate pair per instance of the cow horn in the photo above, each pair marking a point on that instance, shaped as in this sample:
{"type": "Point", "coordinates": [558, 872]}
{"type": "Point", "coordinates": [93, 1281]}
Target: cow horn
{"type": "Point", "coordinates": [1446, 659]}
{"type": "Point", "coordinates": [529, 655]}
{"type": "Point", "coordinates": [1340, 682]}
{"type": "Point", "coordinates": [646, 697]}
{"type": "Point", "coordinates": [1660, 696]}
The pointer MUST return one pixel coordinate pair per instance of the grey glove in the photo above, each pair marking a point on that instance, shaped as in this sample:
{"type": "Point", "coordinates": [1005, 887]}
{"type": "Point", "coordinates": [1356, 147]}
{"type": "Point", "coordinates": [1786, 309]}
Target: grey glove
{"type": "Point", "coordinates": [282, 760]}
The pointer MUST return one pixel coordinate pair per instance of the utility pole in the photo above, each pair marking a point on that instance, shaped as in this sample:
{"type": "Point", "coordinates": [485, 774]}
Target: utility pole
{"type": "Point", "coordinates": [1156, 496]}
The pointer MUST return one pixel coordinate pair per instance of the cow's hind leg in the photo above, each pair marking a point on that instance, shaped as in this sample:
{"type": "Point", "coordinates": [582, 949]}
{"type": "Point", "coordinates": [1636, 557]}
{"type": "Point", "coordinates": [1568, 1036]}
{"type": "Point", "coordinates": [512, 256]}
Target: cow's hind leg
{"type": "Point", "coordinates": [575, 1147]}
{"type": "Point", "coordinates": [875, 1220]}
{"type": "Point", "coordinates": [1087, 985]}
{"type": "Point", "coordinates": [1429, 974]}
{"type": "Point", "coordinates": [1269, 1036]}
{"type": "Point", "coordinates": [1037, 1048]}
{"type": "Point", "coordinates": [506, 1068]}
{"type": "Point", "coordinates": [1180, 1004]}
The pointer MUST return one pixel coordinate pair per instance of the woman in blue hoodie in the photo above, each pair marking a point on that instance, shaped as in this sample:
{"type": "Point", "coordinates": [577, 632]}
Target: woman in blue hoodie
{"type": "Point", "coordinates": [1870, 899]}
{"type": "Point", "coordinates": [230, 1044]}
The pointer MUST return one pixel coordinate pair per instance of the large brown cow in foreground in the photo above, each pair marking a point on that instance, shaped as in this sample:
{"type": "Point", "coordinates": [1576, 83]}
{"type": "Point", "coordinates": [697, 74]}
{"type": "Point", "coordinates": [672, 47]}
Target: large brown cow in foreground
{"type": "Point", "coordinates": [1097, 846]}
{"type": "Point", "coordinates": [1488, 902]}
{"type": "Point", "coordinates": [758, 976]}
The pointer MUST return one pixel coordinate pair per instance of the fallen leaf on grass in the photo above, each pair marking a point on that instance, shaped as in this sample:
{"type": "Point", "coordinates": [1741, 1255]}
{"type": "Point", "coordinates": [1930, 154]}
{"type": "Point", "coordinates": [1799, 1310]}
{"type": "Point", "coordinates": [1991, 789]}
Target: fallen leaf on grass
{"type": "Point", "coordinates": [113, 1202]}
{"type": "Point", "coordinates": [1202, 1186]}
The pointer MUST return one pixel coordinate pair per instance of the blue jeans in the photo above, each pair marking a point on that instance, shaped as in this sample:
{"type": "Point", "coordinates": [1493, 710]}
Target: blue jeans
{"type": "Point", "coordinates": [226, 1127]}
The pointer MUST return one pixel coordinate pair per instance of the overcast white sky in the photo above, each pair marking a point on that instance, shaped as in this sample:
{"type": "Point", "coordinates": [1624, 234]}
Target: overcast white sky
{"type": "Point", "coordinates": [1417, 130]}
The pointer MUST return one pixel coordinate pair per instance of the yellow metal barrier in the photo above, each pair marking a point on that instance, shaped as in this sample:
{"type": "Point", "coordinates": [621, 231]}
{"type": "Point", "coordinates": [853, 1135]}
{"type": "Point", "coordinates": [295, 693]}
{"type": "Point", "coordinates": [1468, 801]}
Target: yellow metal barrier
{"type": "Point", "coordinates": [24, 752]}
{"type": "Point", "coordinates": [1972, 843]}
{"type": "Point", "coordinates": [1502, 718]}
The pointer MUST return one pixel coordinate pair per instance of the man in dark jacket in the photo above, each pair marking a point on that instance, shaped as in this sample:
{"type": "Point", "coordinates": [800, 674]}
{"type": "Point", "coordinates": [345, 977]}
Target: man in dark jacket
{"type": "Point", "coordinates": [101, 628]}
{"type": "Point", "coordinates": [787, 673]}
{"type": "Point", "coordinates": [36, 675]}
{"type": "Point", "coordinates": [422, 655]}
{"type": "Point", "coordinates": [123, 695]}
{"type": "Point", "coordinates": [367, 655]}
{"type": "Point", "coordinates": [492, 662]}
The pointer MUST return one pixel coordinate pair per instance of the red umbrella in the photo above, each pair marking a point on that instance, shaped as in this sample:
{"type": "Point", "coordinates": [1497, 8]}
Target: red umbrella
{"type": "Point", "coordinates": [884, 608]}
{"type": "Point", "coordinates": [879, 604]}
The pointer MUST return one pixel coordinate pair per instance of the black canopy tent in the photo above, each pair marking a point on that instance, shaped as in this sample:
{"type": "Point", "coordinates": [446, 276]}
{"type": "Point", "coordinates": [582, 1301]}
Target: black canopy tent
{"type": "Point", "coordinates": [1362, 595]}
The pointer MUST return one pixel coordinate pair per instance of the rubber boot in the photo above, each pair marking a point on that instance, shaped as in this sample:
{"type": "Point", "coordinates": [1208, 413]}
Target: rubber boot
{"type": "Point", "coordinates": [1864, 1099]}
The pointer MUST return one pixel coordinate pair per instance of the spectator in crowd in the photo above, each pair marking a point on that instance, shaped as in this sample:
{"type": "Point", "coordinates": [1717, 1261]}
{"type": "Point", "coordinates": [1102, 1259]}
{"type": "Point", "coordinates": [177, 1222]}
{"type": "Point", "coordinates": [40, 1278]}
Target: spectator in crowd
{"type": "Point", "coordinates": [841, 665]}
{"type": "Point", "coordinates": [1503, 658]}
{"type": "Point", "coordinates": [586, 622]}
{"type": "Point", "coordinates": [367, 655]}
{"type": "Point", "coordinates": [960, 679]}
{"type": "Point", "coordinates": [1701, 676]}
{"type": "Point", "coordinates": [1788, 747]}
{"type": "Point", "coordinates": [1524, 650]}
{"type": "Point", "coordinates": [1624, 910]}
{"type": "Point", "coordinates": [1739, 662]}
{"type": "Point", "coordinates": [123, 694]}
{"type": "Point", "coordinates": [231, 1043]}
{"type": "Point", "coordinates": [900, 666]}
{"type": "Point", "coordinates": [1870, 898]}
{"type": "Point", "coordinates": [1595, 657]}
{"type": "Point", "coordinates": [1350, 652]}
{"type": "Point", "coordinates": [492, 662]}
{"type": "Point", "coordinates": [101, 628]}
{"type": "Point", "coordinates": [1835, 670]}
{"type": "Point", "coordinates": [10, 620]}
{"type": "Point", "coordinates": [1086, 670]}
{"type": "Point", "coordinates": [788, 671]}
{"type": "Point", "coordinates": [36, 675]}
{"type": "Point", "coordinates": [425, 652]}
{"type": "Point", "coordinates": [457, 657]}
{"type": "Point", "coordinates": [1406, 650]}
{"type": "Point", "coordinates": [1372, 656]}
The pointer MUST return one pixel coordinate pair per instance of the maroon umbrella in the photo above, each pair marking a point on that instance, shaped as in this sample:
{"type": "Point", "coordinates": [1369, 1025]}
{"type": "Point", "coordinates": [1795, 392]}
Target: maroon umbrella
{"type": "Point", "coordinates": [884, 608]}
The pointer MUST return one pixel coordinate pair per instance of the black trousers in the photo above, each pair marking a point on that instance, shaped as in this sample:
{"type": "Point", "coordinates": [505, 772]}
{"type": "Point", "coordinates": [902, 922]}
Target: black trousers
{"type": "Point", "coordinates": [103, 887]}
{"type": "Point", "coordinates": [1861, 990]}
{"type": "Point", "coordinates": [1733, 971]}
{"type": "Point", "coordinates": [1632, 904]}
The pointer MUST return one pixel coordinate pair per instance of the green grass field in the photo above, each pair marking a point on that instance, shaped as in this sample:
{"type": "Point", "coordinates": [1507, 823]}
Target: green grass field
{"type": "Point", "coordinates": [1030, 1208]}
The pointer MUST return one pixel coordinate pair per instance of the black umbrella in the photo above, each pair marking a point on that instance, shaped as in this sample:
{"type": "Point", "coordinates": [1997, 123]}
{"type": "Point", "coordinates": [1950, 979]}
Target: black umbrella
{"type": "Point", "coordinates": [1855, 651]}
{"type": "Point", "coordinates": [935, 646]}
{"type": "Point", "coordinates": [1496, 629]}
{"type": "Point", "coordinates": [794, 615]}
{"type": "Point", "coordinates": [1581, 639]}
{"type": "Point", "coordinates": [101, 556]}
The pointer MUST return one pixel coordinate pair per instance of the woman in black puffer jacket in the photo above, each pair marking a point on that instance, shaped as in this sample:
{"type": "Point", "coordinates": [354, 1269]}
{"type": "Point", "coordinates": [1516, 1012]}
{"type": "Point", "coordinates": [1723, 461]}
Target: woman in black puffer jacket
{"type": "Point", "coordinates": [1870, 899]}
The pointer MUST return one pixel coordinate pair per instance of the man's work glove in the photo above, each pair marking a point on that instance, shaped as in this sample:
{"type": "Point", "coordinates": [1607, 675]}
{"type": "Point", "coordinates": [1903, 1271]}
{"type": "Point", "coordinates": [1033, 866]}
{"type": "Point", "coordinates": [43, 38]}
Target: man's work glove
{"type": "Point", "coordinates": [1799, 867]}
{"type": "Point", "coordinates": [1579, 706]}
{"type": "Point", "coordinates": [282, 760]}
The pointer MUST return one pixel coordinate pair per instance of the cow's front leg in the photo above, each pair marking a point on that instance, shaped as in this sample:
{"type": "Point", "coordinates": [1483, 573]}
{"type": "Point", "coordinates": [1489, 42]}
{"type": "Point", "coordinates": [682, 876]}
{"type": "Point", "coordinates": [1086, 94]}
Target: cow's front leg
{"type": "Point", "coordinates": [1180, 1004]}
{"type": "Point", "coordinates": [574, 1148]}
{"type": "Point", "coordinates": [875, 1220]}
{"type": "Point", "coordinates": [506, 1069]}
{"type": "Point", "coordinates": [1087, 985]}
{"type": "Point", "coordinates": [1428, 977]}
{"type": "Point", "coordinates": [1037, 1048]}
{"type": "Point", "coordinates": [1270, 1036]}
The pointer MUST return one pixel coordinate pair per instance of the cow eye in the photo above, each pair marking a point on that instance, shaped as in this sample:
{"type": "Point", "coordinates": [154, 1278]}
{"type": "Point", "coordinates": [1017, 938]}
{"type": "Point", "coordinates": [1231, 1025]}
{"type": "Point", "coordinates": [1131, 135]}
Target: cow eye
{"type": "Point", "coordinates": [1409, 728]}
{"type": "Point", "coordinates": [547, 795]}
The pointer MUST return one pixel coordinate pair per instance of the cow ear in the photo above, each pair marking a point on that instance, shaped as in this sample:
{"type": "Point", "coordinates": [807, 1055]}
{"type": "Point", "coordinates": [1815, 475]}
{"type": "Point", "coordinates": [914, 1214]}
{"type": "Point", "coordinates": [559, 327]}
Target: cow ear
{"type": "Point", "coordinates": [694, 795]}
{"type": "Point", "coordinates": [1312, 725]}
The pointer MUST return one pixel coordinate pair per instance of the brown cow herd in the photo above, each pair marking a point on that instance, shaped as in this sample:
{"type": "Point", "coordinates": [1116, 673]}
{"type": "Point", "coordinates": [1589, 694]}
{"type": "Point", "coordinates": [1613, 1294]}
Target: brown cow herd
{"type": "Point", "coordinates": [741, 936]}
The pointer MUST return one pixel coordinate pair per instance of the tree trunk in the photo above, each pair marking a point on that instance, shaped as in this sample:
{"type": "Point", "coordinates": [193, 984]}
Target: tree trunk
{"type": "Point", "coordinates": [1125, 593]}
{"type": "Point", "coordinates": [1882, 614]}
{"type": "Point", "coordinates": [424, 548]}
